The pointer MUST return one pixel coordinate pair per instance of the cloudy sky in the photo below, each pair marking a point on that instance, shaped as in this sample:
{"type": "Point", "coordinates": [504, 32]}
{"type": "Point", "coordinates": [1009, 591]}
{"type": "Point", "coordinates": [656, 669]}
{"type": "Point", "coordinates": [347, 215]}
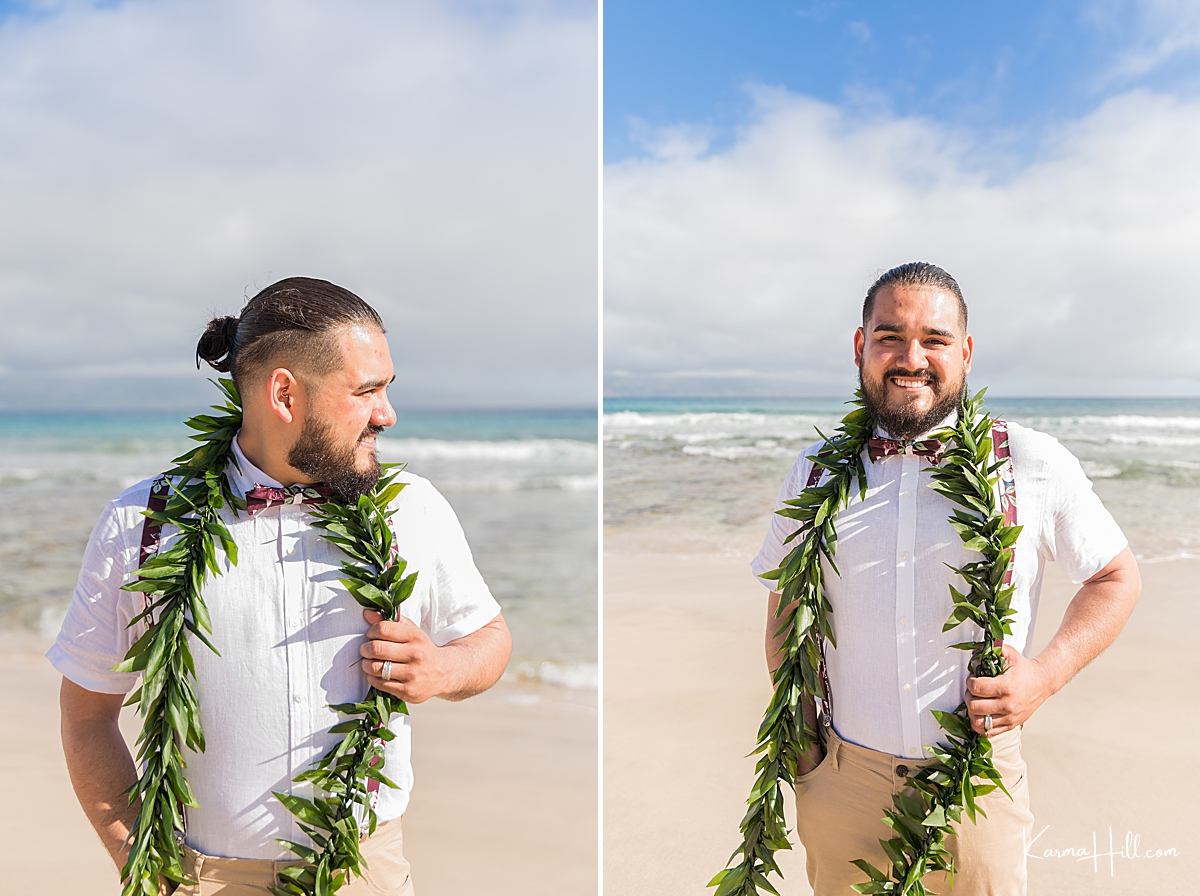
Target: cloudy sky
{"type": "Point", "coordinates": [763, 165]}
{"type": "Point", "coordinates": [162, 160]}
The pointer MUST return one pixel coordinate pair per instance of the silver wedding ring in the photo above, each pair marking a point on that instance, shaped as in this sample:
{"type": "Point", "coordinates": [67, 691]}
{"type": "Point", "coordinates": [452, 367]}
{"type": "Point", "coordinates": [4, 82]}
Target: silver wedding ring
{"type": "Point", "coordinates": [386, 675]}
{"type": "Point", "coordinates": [987, 723]}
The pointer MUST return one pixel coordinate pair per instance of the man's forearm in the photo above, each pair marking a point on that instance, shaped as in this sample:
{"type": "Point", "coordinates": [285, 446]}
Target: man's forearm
{"type": "Point", "coordinates": [99, 763]}
{"type": "Point", "coordinates": [478, 660]}
{"type": "Point", "coordinates": [1092, 620]}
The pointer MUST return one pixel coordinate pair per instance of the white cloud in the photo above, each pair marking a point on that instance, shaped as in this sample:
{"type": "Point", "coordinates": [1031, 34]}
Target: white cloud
{"type": "Point", "coordinates": [1079, 268]}
{"type": "Point", "coordinates": [1152, 32]}
{"type": "Point", "coordinates": [159, 160]}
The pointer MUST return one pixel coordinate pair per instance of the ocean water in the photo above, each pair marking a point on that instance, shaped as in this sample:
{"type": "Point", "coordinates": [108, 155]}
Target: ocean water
{"type": "Point", "coordinates": [706, 473]}
{"type": "Point", "coordinates": [523, 483]}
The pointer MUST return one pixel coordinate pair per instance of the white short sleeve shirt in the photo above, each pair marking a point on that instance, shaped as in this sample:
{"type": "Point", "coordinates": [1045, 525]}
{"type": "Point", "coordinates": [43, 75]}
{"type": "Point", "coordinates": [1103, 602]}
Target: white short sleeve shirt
{"type": "Point", "coordinates": [288, 634]}
{"type": "Point", "coordinates": [893, 662]}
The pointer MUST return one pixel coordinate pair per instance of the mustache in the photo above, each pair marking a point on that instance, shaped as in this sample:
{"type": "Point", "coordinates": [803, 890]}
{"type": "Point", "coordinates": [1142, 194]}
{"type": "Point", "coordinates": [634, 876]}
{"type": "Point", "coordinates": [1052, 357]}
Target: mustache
{"type": "Point", "coordinates": [373, 429]}
{"type": "Point", "coordinates": [928, 375]}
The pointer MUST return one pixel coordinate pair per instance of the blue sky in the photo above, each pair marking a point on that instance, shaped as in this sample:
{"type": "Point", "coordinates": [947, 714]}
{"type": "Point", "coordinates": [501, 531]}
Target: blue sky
{"type": "Point", "coordinates": [1005, 72]}
{"type": "Point", "coordinates": [765, 162]}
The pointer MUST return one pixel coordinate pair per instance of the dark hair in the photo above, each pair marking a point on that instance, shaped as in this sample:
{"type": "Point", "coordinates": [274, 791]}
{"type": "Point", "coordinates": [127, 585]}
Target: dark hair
{"type": "Point", "coordinates": [916, 273]}
{"type": "Point", "coordinates": [295, 317]}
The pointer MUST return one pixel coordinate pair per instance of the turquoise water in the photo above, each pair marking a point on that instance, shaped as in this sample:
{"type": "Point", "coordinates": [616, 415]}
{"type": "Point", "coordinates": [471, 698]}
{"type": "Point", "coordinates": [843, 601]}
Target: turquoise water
{"type": "Point", "coordinates": [119, 431]}
{"type": "Point", "coordinates": [714, 466]}
{"type": "Point", "coordinates": [523, 482]}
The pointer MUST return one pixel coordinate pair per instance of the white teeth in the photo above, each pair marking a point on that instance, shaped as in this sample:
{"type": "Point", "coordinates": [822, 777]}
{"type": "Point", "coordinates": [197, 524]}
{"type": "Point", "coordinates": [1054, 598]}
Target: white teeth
{"type": "Point", "coordinates": [899, 381]}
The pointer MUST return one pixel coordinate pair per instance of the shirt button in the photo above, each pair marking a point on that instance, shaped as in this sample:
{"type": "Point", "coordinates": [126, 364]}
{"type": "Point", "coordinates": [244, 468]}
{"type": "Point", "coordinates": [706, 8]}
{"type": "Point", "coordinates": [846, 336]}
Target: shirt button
{"type": "Point", "coordinates": [906, 494]}
{"type": "Point", "coordinates": [902, 771]}
{"type": "Point", "coordinates": [904, 620]}
{"type": "Point", "coordinates": [299, 699]}
{"type": "Point", "coordinates": [907, 687]}
{"type": "Point", "coordinates": [904, 556]}
{"type": "Point", "coordinates": [291, 552]}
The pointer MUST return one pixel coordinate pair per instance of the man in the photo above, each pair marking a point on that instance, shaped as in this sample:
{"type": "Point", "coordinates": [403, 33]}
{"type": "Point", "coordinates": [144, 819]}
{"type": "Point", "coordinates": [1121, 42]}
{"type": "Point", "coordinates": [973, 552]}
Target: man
{"type": "Point", "coordinates": [895, 549]}
{"type": "Point", "coordinates": [312, 366]}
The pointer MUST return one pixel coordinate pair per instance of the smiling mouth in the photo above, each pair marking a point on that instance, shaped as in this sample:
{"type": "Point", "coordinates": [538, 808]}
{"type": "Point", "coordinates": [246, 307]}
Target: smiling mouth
{"type": "Point", "coordinates": [909, 382]}
{"type": "Point", "coordinates": [367, 439]}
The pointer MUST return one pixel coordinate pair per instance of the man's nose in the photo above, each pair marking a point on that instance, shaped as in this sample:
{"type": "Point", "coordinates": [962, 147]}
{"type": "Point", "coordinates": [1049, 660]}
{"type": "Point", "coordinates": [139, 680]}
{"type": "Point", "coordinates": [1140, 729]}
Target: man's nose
{"type": "Point", "coordinates": [384, 414]}
{"type": "Point", "coordinates": [914, 356]}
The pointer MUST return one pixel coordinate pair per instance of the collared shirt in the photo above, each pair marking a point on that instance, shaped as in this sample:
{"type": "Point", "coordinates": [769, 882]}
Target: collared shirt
{"type": "Point", "coordinates": [893, 662]}
{"type": "Point", "coordinates": [288, 634]}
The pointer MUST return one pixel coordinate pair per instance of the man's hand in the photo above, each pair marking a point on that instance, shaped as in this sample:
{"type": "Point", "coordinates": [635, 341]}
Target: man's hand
{"type": "Point", "coordinates": [1092, 621]}
{"type": "Point", "coordinates": [1010, 698]}
{"type": "Point", "coordinates": [421, 670]}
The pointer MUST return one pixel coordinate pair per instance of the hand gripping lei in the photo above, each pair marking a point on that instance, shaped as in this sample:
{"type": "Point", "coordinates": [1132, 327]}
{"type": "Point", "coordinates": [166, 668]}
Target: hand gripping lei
{"type": "Point", "coordinates": [962, 769]}
{"type": "Point", "coordinates": [191, 495]}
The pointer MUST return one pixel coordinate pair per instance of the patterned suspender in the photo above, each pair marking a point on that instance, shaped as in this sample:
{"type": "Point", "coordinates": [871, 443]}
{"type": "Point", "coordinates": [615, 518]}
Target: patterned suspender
{"type": "Point", "coordinates": [152, 529]}
{"type": "Point", "coordinates": [1008, 504]}
{"type": "Point", "coordinates": [151, 532]}
{"type": "Point", "coordinates": [826, 706]}
{"type": "Point", "coordinates": [1008, 484]}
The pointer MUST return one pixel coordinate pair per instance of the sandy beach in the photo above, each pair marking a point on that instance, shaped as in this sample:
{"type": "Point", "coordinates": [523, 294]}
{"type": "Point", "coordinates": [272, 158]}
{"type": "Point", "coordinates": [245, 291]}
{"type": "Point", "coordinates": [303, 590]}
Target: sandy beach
{"type": "Point", "coordinates": [685, 686]}
{"type": "Point", "coordinates": [505, 801]}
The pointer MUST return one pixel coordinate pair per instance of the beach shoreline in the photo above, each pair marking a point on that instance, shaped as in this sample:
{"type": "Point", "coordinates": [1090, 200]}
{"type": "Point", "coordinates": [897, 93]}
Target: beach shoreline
{"type": "Point", "coordinates": [686, 683]}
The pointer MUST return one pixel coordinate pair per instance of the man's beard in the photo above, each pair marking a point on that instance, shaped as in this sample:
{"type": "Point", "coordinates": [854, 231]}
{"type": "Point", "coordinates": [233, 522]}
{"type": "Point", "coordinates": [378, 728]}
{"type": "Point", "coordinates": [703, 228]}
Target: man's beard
{"type": "Point", "coordinates": [315, 454]}
{"type": "Point", "coordinates": [905, 421]}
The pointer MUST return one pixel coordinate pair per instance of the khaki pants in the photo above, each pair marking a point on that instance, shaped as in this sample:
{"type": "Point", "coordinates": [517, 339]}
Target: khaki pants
{"type": "Point", "coordinates": [840, 806]}
{"type": "Point", "coordinates": [386, 873]}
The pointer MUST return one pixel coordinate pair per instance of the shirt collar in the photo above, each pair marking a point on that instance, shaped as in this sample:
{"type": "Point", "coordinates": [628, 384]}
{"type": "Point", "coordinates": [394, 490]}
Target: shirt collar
{"type": "Point", "coordinates": [949, 421]}
{"type": "Point", "coordinates": [243, 475]}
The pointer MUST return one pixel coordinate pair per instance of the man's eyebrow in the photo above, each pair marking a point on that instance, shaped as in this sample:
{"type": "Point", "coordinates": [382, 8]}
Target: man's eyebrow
{"type": "Point", "coordinates": [375, 384]}
{"type": "Point", "coordinates": [899, 328]}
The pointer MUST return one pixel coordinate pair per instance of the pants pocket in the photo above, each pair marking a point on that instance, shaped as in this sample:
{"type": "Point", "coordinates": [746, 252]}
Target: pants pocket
{"type": "Point", "coordinates": [387, 872]}
{"type": "Point", "coordinates": [825, 762]}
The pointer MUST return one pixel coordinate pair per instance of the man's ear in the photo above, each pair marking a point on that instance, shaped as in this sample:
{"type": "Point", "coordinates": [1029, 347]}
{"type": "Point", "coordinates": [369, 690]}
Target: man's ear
{"type": "Point", "coordinates": [860, 340]}
{"type": "Point", "coordinates": [284, 395]}
{"type": "Point", "coordinates": [968, 349]}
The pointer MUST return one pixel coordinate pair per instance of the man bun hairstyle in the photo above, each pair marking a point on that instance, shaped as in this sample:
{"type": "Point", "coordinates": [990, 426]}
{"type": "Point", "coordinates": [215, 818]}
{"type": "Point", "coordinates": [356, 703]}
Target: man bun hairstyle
{"type": "Point", "coordinates": [293, 320]}
{"type": "Point", "coordinates": [216, 345]}
{"type": "Point", "coordinates": [918, 274]}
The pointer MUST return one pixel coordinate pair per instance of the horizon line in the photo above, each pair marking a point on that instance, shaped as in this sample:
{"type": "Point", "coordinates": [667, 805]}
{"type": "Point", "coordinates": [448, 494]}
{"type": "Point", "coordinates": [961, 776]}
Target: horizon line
{"type": "Point", "coordinates": [171, 409]}
{"type": "Point", "coordinates": [1195, 397]}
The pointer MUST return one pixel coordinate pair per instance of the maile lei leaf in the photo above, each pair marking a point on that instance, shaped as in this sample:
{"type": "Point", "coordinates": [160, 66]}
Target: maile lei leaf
{"type": "Point", "coordinates": [377, 581]}
{"type": "Point", "coordinates": [171, 582]}
{"type": "Point", "coordinates": [962, 770]}
{"type": "Point", "coordinates": [197, 488]}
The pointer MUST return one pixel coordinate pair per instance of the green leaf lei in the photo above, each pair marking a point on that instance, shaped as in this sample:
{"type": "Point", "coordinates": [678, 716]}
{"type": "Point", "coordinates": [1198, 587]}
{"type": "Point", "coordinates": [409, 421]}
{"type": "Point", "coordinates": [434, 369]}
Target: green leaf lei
{"type": "Point", "coordinates": [172, 581]}
{"type": "Point", "coordinates": [946, 788]}
{"type": "Point", "coordinates": [377, 582]}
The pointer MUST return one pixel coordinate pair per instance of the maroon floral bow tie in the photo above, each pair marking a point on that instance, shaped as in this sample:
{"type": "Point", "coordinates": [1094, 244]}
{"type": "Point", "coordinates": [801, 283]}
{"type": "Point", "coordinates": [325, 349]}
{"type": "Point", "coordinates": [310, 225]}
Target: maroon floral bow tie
{"type": "Point", "coordinates": [261, 496]}
{"type": "Point", "coordinates": [929, 448]}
